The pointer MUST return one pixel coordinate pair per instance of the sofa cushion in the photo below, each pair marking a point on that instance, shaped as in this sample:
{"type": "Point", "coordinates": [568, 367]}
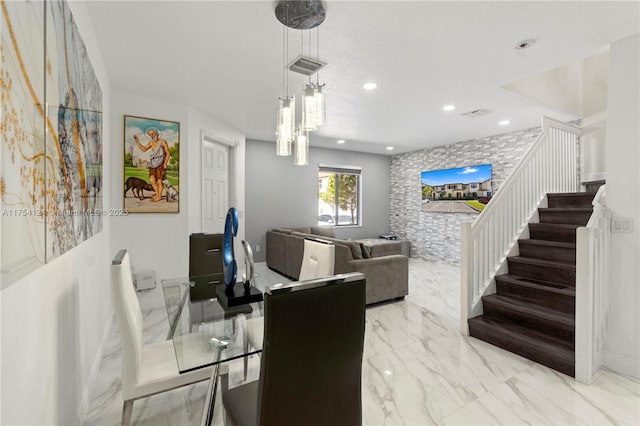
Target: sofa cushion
{"type": "Point", "coordinates": [356, 251]}
{"type": "Point", "coordinates": [303, 229]}
{"type": "Point", "coordinates": [283, 230]}
{"type": "Point", "coordinates": [366, 254]}
{"type": "Point", "coordinates": [324, 231]}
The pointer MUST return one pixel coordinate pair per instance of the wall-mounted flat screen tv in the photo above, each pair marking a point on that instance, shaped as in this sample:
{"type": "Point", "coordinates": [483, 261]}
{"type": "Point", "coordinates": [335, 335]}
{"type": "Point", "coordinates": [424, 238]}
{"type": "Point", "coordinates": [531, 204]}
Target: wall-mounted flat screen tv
{"type": "Point", "coordinates": [459, 190]}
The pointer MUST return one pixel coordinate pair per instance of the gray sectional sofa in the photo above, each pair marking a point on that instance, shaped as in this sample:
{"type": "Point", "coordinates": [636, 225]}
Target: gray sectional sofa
{"type": "Point", "coordinates": [387, 275]}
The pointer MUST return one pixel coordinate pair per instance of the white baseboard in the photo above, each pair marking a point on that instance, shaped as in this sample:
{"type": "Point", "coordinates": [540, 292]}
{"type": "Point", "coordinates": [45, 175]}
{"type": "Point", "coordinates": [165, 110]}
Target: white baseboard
{"type": "Point", "coordinates": [621, 365]}
{"type": "Point", "coordinates": [83, 408]}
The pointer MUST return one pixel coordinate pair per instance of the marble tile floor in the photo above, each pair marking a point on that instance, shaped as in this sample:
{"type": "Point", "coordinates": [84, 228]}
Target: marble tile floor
{"type": "Point", "coordinates": [417, 370]}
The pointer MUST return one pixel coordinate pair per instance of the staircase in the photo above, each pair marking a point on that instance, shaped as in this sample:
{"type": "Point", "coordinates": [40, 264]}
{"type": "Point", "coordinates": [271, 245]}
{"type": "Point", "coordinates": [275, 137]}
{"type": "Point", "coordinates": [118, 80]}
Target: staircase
{"type": "Point", "coordinates": [532, 313]}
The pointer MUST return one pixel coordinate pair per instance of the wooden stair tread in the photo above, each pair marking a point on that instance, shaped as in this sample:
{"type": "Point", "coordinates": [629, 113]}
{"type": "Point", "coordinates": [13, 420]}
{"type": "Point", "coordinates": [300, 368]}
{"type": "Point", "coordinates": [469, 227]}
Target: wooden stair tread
{"type": "Point", "coordinates": [567, 226]}
{"type": "Point", "coordinates": [576, 199]}
{"type": "Point", "coordinates": [566, 209]}
{"type": "Point", "coordinates": [571, 194]}
{"type": "Point", "coordinates": [547, 243]}
{"type": "Point", "coordinates": [527, 333]}
{"type": "Point", "coordinates": [542, 263]}
{"type": "Point", "coordinates": [553, 231]}
{"type": "Point", "coordinates": [542, 285]}
{"type": "Point", "coordinates": [532, 310]}
{"type": "Point", "coordinates": [539, 347]}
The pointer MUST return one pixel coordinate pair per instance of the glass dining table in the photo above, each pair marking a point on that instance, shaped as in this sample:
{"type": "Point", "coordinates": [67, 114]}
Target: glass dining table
{"type": "Point", "coordinates": [204, 333]}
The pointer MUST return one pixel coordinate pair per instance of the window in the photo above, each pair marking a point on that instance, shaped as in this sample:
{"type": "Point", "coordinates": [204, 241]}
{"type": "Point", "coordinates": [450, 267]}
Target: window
{"type": "Point", "coordinates": [339, 195]}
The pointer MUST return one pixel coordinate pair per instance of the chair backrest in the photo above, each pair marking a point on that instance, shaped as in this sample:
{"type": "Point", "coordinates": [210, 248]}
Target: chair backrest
{"type": "Point", "coordinates": [129, 319]}
{"type": "Point", "coordinates": [311, 363]}
{"type": "Point", "coordinates": [318, 259]}
{"type": "Point", "coordinates": [205, 254]}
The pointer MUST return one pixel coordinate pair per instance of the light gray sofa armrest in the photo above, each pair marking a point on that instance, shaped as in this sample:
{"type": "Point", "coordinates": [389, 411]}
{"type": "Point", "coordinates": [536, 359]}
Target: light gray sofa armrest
{"type": "Point", "coordinates": [343, 255]}
{"type": "Point", "coordinates": [275, 251]}
{"type": "Point", "coordinates": [387, 276]}
{"type": "Point", "coordinates": [294, 251]}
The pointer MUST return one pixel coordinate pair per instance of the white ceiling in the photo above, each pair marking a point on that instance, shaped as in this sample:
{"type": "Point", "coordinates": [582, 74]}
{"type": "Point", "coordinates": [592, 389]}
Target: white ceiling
{"type": "Point", "coordinates": [225, 58]}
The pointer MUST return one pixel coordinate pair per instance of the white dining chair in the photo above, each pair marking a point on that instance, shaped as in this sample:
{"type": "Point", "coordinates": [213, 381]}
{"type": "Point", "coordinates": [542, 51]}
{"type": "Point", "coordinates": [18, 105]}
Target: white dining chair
{"type": "Point", "coordinates": [146, 369]}
{"type": "Point", "coordinates": [318, 260]}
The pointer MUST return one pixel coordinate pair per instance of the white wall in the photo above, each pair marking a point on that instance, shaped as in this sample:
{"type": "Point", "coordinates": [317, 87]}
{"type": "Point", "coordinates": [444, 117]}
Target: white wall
{"type": "Point", "coordinates": [559, 88]}
{"type": "Point", "coordinates": [155, 241]}
{"type": "Point", "coordinates": [54, 320]}
{"type": "Point", "coordinates": [199, 123]}
{"type": "Point", "coordinates": [160, 241]}
{"type": "Point", "coordinates": [594, 117]}
{"type": "Point", "coordinates": [280, 194]}
{"type": "Point", "coordinates": [622, 345]}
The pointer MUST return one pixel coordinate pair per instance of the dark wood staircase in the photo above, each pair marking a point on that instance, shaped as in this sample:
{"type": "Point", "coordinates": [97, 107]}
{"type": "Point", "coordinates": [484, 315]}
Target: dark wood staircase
{"type": "Point", "coordinates": [532, 313]}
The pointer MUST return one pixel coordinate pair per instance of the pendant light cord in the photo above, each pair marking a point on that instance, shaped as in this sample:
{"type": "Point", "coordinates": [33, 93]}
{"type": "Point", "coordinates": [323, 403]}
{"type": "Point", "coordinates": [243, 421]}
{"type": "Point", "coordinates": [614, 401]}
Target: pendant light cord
{"type": "Point", "coordinates": [287, 53]}
{"type": "Point", "coordinates": [284, 67]}
{"type": "Point", "coordinates": [318, 53]}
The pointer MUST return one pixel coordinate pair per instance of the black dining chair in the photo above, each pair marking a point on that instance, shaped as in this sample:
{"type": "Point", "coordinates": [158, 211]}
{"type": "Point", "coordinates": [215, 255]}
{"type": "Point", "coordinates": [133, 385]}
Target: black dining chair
{"type": "Point", "coordinates": [205, 265]}
{"type": "Point", "coordinates": [311, 363]}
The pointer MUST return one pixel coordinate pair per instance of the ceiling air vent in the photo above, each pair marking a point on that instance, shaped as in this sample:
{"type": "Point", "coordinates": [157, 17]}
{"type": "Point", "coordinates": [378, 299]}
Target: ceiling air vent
{"type": "Point", "coordinates": [306, 66]}
{"type": "Point", "coordinates": [476, 113]}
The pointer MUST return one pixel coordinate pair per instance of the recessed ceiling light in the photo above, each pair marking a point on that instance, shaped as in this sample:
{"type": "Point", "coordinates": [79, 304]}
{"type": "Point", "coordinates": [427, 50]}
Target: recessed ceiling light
{"type": "Point", "coordinates": [340, 141]}
{"type": "Point", "coordinates": [389, 148]}
{"type": "Point", "coordinates": [449, 107]}
{"type": "Point", "coordinates": [524, 44]}
{"type": "Point", "coordinates": [504, 122]}
{"type": "Point", "coordinates": [370, 86]}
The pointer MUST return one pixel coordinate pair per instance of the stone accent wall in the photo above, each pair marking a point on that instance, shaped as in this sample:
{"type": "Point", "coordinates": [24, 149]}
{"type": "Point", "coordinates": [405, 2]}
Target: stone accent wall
{"type": "Point", "coordinates": [436, 236]}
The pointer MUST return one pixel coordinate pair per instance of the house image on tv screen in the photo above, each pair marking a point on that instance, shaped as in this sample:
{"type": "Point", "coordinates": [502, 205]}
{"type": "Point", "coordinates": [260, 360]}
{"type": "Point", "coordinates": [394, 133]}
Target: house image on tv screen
{"type": "Point", "coordinates": [458, 190]}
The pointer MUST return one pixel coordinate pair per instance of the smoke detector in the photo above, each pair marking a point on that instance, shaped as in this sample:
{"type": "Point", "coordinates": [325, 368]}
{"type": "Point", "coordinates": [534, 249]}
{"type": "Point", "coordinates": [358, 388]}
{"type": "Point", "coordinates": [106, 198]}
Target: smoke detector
{"type": "Point", "coordinates": [476, 113]}
{"type": "Point", "coordinates": [306, 66]}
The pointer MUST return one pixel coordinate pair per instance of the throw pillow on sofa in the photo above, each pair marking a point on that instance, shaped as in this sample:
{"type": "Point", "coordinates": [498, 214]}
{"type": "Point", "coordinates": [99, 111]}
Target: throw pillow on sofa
{"type": "Point", "coordinates": [366, 254]}
{"type": "Point", "coordinates": [324, 231]}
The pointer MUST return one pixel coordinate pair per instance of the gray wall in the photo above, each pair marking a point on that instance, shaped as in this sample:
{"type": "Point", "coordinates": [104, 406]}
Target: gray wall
{"type": "Point", "coordinates": [436, 236]}
{"type": "Point", "coordinates": [279, 194]}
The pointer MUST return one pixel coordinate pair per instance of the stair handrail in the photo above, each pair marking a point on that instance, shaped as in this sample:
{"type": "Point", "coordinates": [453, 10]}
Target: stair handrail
{"type": "Point", "coordinates": [593, 282]}
{"type": "Point", "coordinates": [550, 165]}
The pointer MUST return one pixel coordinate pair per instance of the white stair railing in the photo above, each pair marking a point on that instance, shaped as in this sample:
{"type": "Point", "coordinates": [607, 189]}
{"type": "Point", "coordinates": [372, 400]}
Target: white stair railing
{"type": "Point", "coordinates": [593, 282]}
{"type": "Point", "coordinates": [550, 165]}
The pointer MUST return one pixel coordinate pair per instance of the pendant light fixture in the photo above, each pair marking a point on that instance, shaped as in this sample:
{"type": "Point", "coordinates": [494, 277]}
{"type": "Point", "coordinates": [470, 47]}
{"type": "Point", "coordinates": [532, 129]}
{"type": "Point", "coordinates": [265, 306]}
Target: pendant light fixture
{"type": "Point", "coordinates": [309, 108]}
{"type": "Point", "coordinates": [286, 123]}
{"type": "Point", "coordinates": [319, 113]}
{"type": "Point", "coordinates": [301, 15]}
{"type": "Point", "coordinates": [301, 157]}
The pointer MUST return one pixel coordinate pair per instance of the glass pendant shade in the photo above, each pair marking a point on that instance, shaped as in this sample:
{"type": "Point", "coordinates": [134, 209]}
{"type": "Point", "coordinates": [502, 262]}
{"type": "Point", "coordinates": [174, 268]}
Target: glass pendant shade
{"type": "Point", "coordinates": [309, 109]}
{"type": "Point", "coordinates": [301, 157]}
{"type": "Point", "coordinates": [319, 112]}
{"type": "Point", "coordinates": [286, 130]}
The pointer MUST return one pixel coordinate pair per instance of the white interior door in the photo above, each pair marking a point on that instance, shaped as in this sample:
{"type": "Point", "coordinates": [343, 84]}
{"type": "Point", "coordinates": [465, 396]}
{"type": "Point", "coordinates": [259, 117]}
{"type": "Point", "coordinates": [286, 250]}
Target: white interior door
{"type": "Point", "coordinates": [215, 186]}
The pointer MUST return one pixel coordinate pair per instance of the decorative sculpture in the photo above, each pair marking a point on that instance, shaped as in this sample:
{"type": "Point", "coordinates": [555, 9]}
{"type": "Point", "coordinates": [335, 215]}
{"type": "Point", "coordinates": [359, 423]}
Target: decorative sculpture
{"type": "Point", "coordinates": [249, 267]}
{"type": "Point", "coordinates": [228, 262]}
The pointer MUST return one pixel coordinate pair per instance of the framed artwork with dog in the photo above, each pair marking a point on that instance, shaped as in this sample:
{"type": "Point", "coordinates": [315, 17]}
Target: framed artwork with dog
{"type": "Point", "coordinates": [151, 165]}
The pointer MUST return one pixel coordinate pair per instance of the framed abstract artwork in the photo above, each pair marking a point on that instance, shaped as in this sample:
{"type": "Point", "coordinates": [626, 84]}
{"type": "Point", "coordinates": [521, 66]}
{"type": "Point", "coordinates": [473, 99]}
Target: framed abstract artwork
{"type": "Point", "coordinates": [151, 165]}
{"type": "Point", "coordinates": [51, 153]}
